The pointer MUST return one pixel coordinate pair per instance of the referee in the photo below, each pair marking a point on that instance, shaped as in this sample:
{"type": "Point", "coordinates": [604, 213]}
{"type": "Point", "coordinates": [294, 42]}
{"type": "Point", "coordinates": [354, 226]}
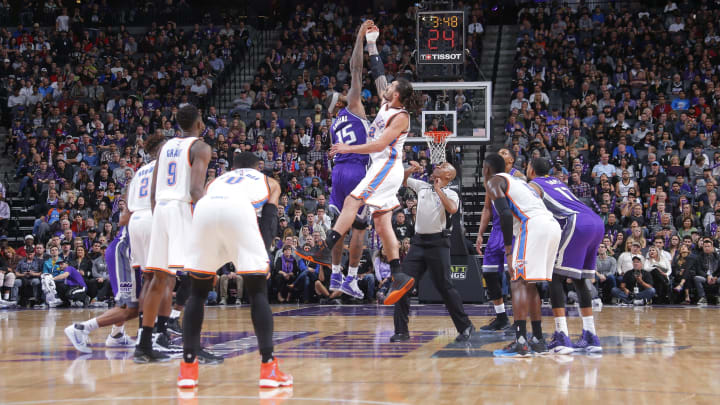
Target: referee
{"type": "Point", "coordinates": [430, 248]}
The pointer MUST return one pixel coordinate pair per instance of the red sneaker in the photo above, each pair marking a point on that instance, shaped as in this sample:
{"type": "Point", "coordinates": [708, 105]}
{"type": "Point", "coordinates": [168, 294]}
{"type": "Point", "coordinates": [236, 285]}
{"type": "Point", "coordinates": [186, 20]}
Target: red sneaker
{"type": "Point", "coordinates": [188, 377]}
{"type": "Point", "coordinates": [272, 377]}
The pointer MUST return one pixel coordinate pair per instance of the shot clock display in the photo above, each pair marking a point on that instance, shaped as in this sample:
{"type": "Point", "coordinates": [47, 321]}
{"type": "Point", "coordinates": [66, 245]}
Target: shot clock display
{"type": "Point", "coordinates": [440, 37]}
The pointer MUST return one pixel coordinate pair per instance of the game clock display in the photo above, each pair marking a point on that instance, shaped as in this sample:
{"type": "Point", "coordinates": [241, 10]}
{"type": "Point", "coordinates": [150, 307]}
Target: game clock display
{"type": "Point", "coordinates": [440, 37]}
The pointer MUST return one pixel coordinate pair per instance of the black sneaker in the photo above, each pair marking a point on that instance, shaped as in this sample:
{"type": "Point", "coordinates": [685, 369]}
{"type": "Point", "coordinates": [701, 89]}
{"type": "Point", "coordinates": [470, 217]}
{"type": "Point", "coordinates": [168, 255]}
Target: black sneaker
{"type": "Point", "coordinates": [538, 346]}
{"type": "Point", "coordinates": [400, 337]}
{"type": "Point", "coordinates": [320, 255]}
{"type": "Point", "coordinates": [466, 334]}
{"type": "Point", "coordinates": [499, 323]}
{"type": "Point", "coordinates": [173, 325]}
{"type": "Point", "coordinates": [517, 348]}
{"type": "Point", "coordinates": [143, 356]}
{"type": "Point", "coordinates": [205, 357]}
{"type": "Point", "coordinates": [401, 284]}
{"type": "Point", "coordinates": [162, 343]}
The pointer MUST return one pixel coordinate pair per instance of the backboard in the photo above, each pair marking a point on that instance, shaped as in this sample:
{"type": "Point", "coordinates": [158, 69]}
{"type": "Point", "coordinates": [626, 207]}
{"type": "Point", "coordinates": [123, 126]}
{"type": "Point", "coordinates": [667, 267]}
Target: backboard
{"type": "Point", "coordinates": [463, 108]}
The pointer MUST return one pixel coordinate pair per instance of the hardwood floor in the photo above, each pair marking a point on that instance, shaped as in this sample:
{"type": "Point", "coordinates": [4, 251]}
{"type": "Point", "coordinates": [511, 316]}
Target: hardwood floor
{"type": "Point", "coordinates": [342, 355]}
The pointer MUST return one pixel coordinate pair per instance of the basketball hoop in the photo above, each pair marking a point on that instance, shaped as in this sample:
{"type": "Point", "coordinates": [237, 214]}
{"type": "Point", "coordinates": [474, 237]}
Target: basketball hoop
{"type": "Point", "coordinates": [437, 141]}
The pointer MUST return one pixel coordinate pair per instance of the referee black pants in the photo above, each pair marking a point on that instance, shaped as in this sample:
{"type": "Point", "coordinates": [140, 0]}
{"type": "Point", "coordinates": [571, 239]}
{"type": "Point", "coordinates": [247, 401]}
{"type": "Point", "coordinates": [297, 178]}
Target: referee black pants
{"type": "Point", "coordinates": [431, 254]}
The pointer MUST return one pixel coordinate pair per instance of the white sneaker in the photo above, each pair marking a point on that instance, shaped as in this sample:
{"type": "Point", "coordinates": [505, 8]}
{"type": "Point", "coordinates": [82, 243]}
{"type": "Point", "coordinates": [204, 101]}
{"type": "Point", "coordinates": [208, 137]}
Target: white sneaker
{"type": "Point", "coordinates": [223, 301]}
{"type": "Point", "coordinates": [79, 338]}
{"type": "Point", "coordinates": [123, 341]}
{"type": "Point", "coordinates": [55, 303]}
{"type": "Point", "coordinates": [6, 296]}
{"type": "Point", "coordinates": [638, 303]}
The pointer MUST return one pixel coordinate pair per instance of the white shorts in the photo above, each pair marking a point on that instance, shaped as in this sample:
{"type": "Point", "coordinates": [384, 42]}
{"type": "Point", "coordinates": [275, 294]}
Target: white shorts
{"type": "Point", "coordinates": [535, 249]}
{"type": "Point", "coordinates": [171, 224]}
{"type": "Point", "coordinates": [379, 188]}
{"type": "Point", "coordinates": [140, 228]}
{"type": "Point", "coordinates": [225, 230]}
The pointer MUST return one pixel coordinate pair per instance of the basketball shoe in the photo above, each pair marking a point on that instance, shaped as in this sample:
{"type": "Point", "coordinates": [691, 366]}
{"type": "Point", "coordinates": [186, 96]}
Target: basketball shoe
{"type": "Point", "coordinates": [121, 341]}
{"type": "Point", "coordinates": [336, 281]}
{"type": "Point", "coordinates": [561, 344]}
{"type": "Point", "coordinates": [321, 255]}
{"type": "Point", "coordinates": [205, 357]}
{"type": "Point", "coordinates": [173, 325]}
{"type": "Point", "coordinates": [161, 343]}
{"type": "Point", "coordinates": [143, 356]}
{"type": "Point", "coordinates": [588, 342]}
{"type": "Point", "coordinates": [518, 348]}
{"type": "Point", "coordinates": [188, 377]}
{"type": "Point", "coordinates": [272, 377]}
{"type": "Point", "coordinates": [538, 346]}
{"type": "Point", "coordinates": [401, 284]}
{"type": "Point", "coordinates": [78, 337]}
{"type": "Point", "coordinates": [350, 287]}
{"type": "Point", "coordinates": [499, 323]}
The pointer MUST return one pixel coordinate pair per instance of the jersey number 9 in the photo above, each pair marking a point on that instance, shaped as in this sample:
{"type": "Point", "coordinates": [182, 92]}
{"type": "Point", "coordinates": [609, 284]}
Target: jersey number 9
{"type": "Point", "coordinates": [172, 171]}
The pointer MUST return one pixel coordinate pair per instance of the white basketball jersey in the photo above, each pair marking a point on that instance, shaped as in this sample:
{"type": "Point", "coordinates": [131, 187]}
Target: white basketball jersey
{"type": "Point", "coordinates": [524, 201]}
{"type": "Point", "coordinates": [382, 121]}
{"type": "Point", "coordinates": [173, 165]}
{"type": "Point", "coordinates": [245, 183]}
{"type": "Point", "coordinates": [139, 190]}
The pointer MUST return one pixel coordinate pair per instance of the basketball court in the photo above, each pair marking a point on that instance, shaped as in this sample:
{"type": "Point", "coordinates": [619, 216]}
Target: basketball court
{"type": "Point", "coordinates": [341, 354]}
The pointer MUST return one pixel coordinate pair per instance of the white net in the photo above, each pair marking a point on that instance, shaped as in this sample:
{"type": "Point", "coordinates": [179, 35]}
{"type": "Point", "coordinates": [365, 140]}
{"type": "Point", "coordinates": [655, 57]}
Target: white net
{"type": "Point", "coordinates": [437, 142]}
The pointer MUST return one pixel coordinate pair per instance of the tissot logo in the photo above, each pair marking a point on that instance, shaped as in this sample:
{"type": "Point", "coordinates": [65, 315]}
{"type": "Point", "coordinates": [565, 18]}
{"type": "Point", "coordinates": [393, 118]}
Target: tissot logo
{"type": "Point", "coordinates": [441, 56]}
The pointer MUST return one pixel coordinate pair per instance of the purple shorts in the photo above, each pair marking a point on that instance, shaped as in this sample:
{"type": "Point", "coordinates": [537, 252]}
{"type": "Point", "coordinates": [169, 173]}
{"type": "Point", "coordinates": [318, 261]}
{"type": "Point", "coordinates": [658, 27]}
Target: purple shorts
{"type": "Point", "coordinates": [126, 282]}
{"type": "Point", "coordinates": [577, 255]}
{"type": "Point", "coordinates": [494, 253]}
{"type": "Point", "coordinates": [345, 177]}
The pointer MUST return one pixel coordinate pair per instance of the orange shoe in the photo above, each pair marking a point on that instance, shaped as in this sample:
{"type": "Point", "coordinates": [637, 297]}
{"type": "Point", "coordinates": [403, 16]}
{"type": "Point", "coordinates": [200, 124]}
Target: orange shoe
{"type": "Point", "coordinates": [272, 377]}
{"type": "Point", "coordinates": [188, 377]}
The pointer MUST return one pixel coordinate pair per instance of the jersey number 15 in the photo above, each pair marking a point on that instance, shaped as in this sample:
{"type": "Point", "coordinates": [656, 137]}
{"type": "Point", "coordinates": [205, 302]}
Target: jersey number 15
{"type": "Point", "coordinates": [347, 135]}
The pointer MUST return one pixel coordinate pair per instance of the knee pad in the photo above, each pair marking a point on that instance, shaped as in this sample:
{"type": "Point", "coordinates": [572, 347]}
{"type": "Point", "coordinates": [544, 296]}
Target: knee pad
{"type": "Point", "coordinates": [493, 285]}
{"type": "Point", "coordinates": [557, 291]}
{"type": "Point", "coordinates": [359, 225]}
{"type": "Point", "coordinates": [583, 292]}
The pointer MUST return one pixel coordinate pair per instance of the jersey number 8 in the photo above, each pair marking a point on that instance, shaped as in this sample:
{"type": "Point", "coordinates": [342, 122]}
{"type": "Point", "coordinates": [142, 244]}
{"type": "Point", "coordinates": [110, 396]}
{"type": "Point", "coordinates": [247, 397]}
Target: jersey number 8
{"type": "Point", "coordinates": [172, 171]}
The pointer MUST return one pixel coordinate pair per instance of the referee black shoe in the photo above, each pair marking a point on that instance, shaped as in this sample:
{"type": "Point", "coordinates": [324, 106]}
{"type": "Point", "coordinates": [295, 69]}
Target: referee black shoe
{"type": "Point", "coordinates": [401, 284]}
{"type": "Point", "coordinates": [400, 337]}
{"type": "Point", "coordinates": [466, 334]}
{"type": "Point", "coordinates": [144, 356]}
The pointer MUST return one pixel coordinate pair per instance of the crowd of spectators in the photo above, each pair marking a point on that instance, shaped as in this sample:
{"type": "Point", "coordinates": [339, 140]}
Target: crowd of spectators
{"type": "Point", "coordinates": [626, 103]}
{"type": "Point", "coordinates": [82, 97]}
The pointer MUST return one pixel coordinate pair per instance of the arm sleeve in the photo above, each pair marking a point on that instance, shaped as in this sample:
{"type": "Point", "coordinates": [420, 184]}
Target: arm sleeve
{"type": "Point", "coordinates": [268, 223]}
{"type": "Point", "coordinates": [506, 220]}
{"type": "Point", "coordinates": [377, 68]}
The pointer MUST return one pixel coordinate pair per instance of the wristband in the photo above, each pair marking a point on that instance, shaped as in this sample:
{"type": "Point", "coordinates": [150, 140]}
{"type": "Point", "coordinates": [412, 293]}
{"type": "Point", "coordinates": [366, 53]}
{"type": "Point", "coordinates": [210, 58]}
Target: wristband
{"type": "Point", "coordinates": [372, 36]}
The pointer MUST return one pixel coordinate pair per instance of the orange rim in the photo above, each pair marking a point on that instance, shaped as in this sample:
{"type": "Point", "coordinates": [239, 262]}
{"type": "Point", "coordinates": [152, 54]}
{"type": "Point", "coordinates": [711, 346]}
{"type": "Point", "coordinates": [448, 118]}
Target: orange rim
{"type": "Point", "coordinates": [438, 136]}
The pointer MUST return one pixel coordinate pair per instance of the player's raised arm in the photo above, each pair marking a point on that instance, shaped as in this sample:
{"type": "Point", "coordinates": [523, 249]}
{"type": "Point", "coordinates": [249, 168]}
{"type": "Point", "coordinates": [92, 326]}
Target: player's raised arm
{"type": "Point", "coordinates": [201, 154]}
{"type": "Point", "coordinates": [377, 69]}
{"type": "Point", "coordinates": [354, 96]}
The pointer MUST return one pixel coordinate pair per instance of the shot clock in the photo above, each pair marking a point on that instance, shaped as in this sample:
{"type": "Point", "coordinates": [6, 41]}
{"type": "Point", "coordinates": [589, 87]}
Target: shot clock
{"type": "Point", "coordinates": [440, 37]}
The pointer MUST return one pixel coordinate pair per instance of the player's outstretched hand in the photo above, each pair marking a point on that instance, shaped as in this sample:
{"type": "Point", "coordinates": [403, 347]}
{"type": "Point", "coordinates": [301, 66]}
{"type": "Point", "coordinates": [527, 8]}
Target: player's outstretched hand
{"type": "Point", "coordinates": [365, 26]}
{"type": "Point", "coordinates": [416, 168]}
{"type": "Point", "coordinates": [339, 148]}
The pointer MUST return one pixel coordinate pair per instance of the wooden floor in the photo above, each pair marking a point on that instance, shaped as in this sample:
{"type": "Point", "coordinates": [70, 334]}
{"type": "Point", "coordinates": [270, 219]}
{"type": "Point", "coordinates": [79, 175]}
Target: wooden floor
{"type": "Point", "coordinates": [342, 355]}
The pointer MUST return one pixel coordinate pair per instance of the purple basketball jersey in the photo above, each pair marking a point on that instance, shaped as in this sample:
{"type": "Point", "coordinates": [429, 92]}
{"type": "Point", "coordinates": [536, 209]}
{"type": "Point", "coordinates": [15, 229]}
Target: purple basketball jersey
{"type": "Point", "coordinates": [350, 168]}
{"type": "Point", "coordinates": [349, 129]}
{"type": "Point", "coordinates": [582, 231]}
{"type": "Point", "coordinates": [124, 280]}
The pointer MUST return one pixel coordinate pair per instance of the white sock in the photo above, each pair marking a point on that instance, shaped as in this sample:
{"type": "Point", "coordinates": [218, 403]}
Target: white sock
{"type": "Point", "coordinates": [174, 314]}
{"type": "Point", "coordinates": [561, 325]}
{"type": "Point", "coordinates": [117, 330]}
{"type": "Point", "coordinates": [500, 309]}
{"type": "Point", "coordinates": [90, 325]}
{"type": "Point", "coordinates": [336, 268]}
{"type": "Point", "coordinates": [589, 324]}
{"type": "Point", "coordinates": [352, 271]}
